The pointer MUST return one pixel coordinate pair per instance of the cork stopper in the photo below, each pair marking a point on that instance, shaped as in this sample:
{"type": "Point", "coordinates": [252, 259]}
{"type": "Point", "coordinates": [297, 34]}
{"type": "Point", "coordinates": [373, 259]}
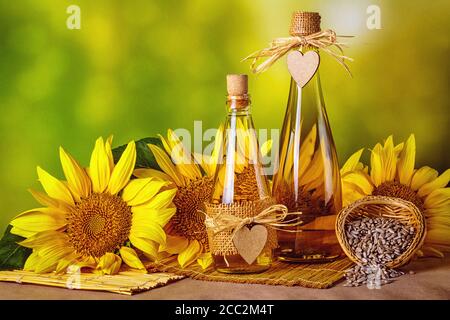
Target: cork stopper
{"type": "Point", "coordinates": [237, 84]}
{"type": "Point", "coordinates": [304, 23]}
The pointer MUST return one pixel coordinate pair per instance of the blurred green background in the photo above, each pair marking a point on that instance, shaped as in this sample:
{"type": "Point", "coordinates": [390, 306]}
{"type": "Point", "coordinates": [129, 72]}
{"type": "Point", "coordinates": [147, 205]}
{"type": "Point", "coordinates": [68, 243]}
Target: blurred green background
{"type": "Point", "coordinates": [137, 68]}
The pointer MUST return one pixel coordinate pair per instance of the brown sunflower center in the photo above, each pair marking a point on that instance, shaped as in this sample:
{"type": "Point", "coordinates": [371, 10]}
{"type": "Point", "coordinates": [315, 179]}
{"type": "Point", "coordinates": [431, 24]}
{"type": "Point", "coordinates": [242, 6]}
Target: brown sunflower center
{"type": "Point", "coordinates": [398, 190]}
{"type": "Point", "coordinates": [187, 221]}
{"type": "Point", "coordinates": [99, 224]}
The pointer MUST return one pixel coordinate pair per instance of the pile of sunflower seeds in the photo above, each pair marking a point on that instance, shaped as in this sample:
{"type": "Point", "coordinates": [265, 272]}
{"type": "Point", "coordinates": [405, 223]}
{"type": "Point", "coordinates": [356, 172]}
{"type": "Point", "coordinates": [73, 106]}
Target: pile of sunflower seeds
{"type": "Point", "coordinates": [376, 242]}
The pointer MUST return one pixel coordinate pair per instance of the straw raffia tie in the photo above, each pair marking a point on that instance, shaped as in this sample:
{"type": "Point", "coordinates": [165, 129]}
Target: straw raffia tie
{"type": "Point", "coordinates": [325, 40]}
{"type": "Point", "coordinates": [272, 216]}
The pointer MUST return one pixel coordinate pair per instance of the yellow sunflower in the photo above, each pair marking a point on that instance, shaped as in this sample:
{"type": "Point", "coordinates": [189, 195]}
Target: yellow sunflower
{"type": "Point", "coordinates": [392, 174]}
{"type": "Point", "coordinates": [98, 217]}
{"type": "Point", "coordinates": [186, 233]}
{"type": "Point", "coordinates": [193, 176]}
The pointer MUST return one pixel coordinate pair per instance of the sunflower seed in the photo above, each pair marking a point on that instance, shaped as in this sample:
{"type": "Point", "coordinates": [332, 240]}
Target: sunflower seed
{"type": "Point", "coordinates": [376, 242]}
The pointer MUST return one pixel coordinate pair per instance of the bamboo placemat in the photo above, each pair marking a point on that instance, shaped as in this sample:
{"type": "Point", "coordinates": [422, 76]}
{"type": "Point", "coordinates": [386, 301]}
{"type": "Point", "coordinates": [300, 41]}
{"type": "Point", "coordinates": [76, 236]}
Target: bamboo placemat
{"type": "Point", "coordinates": [127, 282]}
{"type": "Point", "coordinates": [319, 276]}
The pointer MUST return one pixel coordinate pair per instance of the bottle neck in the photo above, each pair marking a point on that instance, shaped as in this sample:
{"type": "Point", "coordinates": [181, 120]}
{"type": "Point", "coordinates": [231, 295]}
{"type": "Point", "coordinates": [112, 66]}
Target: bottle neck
{"type": "Point", "coordinates": [238, 104]}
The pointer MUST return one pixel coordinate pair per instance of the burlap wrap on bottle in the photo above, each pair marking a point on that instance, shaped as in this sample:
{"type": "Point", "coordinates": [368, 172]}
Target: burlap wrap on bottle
{"type": "Point", "coordinates": [221, 242]}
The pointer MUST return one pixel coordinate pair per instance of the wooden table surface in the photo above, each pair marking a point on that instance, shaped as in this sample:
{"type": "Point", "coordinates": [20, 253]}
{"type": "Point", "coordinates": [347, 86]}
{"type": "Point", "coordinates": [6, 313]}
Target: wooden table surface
{"type": "Point", "coordinates": [431, 280]}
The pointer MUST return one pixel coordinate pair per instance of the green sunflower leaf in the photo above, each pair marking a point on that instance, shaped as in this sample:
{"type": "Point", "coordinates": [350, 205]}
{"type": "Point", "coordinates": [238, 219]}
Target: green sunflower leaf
{"type": "Point", "coordinates": [144, 157]}
{"type": "Point", "coordinates": [12, 255]}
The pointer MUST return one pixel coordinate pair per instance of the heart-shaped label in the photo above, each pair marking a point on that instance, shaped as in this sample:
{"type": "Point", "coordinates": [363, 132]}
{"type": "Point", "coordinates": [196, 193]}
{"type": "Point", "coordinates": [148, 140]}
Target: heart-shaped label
{"type": "Point", "coordinates": [302, 67]}
{"type": "Point", "coordinates": [250, 242]}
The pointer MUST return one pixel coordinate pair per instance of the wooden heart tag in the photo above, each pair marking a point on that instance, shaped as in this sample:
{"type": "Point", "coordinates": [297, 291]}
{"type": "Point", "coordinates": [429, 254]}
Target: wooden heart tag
{"type": "Point", "coordinates": [250, 242]}
{"type": "Point", "coordinates": [302, 67]}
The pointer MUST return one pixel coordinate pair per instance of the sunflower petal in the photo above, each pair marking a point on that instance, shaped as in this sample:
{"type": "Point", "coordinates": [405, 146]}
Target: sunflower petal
{"type": "Point", "coordinates": [190, 254]}
{"type": "Point", "coordinates": [431, 252]}
{"type": "Point", "coordinates": [44, 199]}
{"type": "Point", "coordinates": [361, 180]}
{"type": "Point", "coordinates": [152, 173]}
{"type": "Point", "coordinates": [38, 220]}
{"type": "Point", "coordinates": [407, 161]}
{"type": "Point", "coordinates": [32, 261]}
{"type": "Point", "coordinates": [442, 247]}
{"type": "Point", "coordinates": [439, 236]}
{"type": "Point", "coordinates": [398, 149]}
{"type": "Point", "coordinates": [439, 182]}
{"type": "Point", "coordinates": [205, 260]}
{"type": "Point", "coordinates": [42, 239]}
{"type": "Point", "coordinates": [423, 176]}
{"type": "Point", "coordinates": [439, 197]}
{"type": "Point", "coordinates": [83, 263]}
{"type": "Point", "coordinates": [206, 162]}
{"type": "Point", "coordinates": [165, 144]}
{"type": "Point", "coordinates": [148, 230]}
{"type": "Point", "coordinates": [50, 246]}
{"type": "Point", "coordinates": [214, 160]}
{"type": "Point", "coordinates": [242, 141]}
{"type": "Point", "coordinates": [99, 167]}
{"type": "Point", "coordinates": [54, 188]}
{"type": "Point", "coordinates": [134, 187]}
{"type": "Point", "coordinates": [49, 261]}
{"type": "Point", "coordinates": [161, 200]}
{"type": "Point", "coordinates": [352, 162]}
{"type": "Point", "coordinates": [209, 162]}
{"type": "Point", "coordinates": [182, 158]}
{"type": "Point", "coordinates": [77, 179]}
{"type": "Point", "coordinates": [349, 196]}
{"type": "Point", "coordinates": [307, 151]}
{"type": "Point", "coordinates": [108, 150]}
{"type": "Point", "coordinates": [389, 160]}
{"type": "Point", "coordinates": [130, 257]}
{"type": "Point", "coordinates": [160, 216]}
{"type": "Point", "coordinates": [266, 147]}
{"type": "Point", "coordinates": [314, 170]}
{"type": "Point", "coordinates": [166, 164]}
{"type": "Point", "coordinates": [174, 244]}
{"type": "Point", "coordinates": [376, 170]}
{"type": "Point", "coordinates": [66, 262]}
{"type": "Point", "coordinates": [123, 170]}
{"type": "Point", "coordinates": [443, 210]}
{"type": "Point", "coordinates": [438, 221]}
{"type": "Point", "coordinates": [149, 247]}
{"type": "Point", "coordinates": [139, 191]}
{"type": "Point", "coordinates": [109, 263]}
{"type": "Point", "coordinates": [22, 232]}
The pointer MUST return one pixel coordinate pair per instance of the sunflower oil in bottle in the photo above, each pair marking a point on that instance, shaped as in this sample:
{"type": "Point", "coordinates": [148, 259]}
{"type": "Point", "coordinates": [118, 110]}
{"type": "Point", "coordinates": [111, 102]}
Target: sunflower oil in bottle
{"type": "Point", "coordinates": [240, 186]}
{"type": "Point", "coordinates": [308, 178]}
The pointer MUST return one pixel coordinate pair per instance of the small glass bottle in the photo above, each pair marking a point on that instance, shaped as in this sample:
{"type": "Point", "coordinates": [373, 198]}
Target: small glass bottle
{"type": "Point", "coordinates": [308, 179]}
{"type": "Point", "coordinates": [240, 186]}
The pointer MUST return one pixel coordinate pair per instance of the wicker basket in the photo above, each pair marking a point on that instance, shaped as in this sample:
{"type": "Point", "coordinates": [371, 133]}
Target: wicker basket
{"type": "Point", "coordinates": [389, 207]}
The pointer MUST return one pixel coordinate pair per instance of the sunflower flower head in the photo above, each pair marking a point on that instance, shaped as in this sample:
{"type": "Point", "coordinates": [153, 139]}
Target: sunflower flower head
{"type": "Point", "coordinates": [192, 175]}
{"type": "Point", "coordinates": [98, 218]}
{"type": "Point", "coordinates": [393, 174]}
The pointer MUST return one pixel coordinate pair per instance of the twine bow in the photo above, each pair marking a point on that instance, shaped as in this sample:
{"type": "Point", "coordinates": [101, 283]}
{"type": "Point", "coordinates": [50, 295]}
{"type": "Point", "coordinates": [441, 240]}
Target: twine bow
{"type": "Point", "coordinates": [273, 216]}
{"type": "Point", "coordinates": [325, 40]}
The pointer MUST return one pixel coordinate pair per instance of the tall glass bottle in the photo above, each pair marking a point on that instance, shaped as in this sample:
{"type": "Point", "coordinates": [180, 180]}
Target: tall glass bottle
{"type": "Point", "coordinates": [308, 179]}
{"type": "Point", "coordinates": [240, 186]}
